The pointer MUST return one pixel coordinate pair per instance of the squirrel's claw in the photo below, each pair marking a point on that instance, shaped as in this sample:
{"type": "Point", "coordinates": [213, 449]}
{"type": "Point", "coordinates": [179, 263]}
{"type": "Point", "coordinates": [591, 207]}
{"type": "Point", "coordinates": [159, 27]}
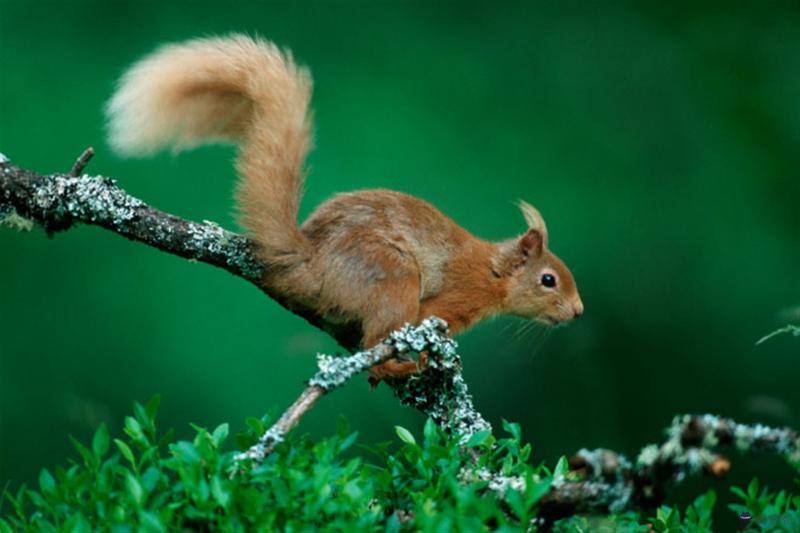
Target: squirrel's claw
{"type": "Point", "coordinates": [396, 369]}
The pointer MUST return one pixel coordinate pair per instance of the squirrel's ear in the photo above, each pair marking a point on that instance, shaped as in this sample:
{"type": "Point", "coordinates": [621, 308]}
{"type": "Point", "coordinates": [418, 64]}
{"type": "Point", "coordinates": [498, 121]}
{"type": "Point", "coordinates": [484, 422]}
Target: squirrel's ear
{"type": "Point", "coordinates": [534, 219]}
{"type": "Point", "coordinates": [531, 244]}
{"type": "Point", "coordinates": [516, 253]}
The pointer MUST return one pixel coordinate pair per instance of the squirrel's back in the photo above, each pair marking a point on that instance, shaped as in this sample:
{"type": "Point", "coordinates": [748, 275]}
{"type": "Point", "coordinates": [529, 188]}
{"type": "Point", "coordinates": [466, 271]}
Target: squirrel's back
{"type": "Point", "coordinates": [357, 225]}
{"type": "Point", "coordinates": [377, 259]}
{"type": "Point", "coordinates": [236, 89]}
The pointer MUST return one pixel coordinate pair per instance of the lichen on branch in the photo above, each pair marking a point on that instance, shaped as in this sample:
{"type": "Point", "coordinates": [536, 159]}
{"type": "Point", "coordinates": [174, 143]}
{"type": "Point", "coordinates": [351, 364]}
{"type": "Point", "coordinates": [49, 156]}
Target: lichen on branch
{"type": "Point", "coordinates": [450, 405]}
{"type": "Point", "coordinates": [58, 202]}
{"type": "Point", "coordinates": [597, 481]}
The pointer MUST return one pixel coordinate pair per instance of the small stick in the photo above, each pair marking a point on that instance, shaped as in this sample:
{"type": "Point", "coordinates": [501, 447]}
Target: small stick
{"type": "Point", "coordinates": [288, 420]}
{"type": "Point", "coordinates": [81, 162]}
{"type": "Point", "coordinates": [336, 371]}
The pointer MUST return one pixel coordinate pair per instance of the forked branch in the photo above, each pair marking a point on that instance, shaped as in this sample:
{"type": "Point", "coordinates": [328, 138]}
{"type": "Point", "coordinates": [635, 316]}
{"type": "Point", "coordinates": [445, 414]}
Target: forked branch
{"type": "Point", "coordinates": [451, 408]}
{"type": "Point", "coordinates": [598, 481]}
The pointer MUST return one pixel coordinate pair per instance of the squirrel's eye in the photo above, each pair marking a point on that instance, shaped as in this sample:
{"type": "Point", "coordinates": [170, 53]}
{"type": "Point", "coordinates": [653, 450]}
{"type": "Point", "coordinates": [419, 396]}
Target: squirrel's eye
{"type": "Point", "coordinates": [549, 280]}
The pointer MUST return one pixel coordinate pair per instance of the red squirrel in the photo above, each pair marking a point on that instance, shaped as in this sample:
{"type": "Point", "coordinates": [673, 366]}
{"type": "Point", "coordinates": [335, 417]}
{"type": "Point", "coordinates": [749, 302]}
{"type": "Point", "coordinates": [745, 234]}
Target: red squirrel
{"type": "Point", "coordinates": [378, 258]}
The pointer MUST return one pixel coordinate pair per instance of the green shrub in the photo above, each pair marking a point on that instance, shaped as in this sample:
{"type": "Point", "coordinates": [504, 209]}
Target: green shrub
{"type": "Point", "coordinates": [149, 483]}
{"type": "Point", "coordinates": [146, 482]}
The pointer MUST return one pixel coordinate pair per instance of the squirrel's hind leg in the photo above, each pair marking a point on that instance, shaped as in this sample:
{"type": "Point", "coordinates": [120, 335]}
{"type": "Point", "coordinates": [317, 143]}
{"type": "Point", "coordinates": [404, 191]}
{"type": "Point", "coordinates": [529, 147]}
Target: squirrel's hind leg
{"type": "Point", "coordinates": [395, 303]}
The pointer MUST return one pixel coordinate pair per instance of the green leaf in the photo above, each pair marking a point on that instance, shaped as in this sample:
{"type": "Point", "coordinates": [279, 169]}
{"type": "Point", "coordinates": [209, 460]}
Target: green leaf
{"type": "Point", "coordinates": [220, 494]}
{"type": "Point", "coordinates": [477, 439]}
{"type": "Point", "coordinates": [659, 525]}
{"type": "Point", "coordinates": [36, 498]}
{"type": "Point", "coordinates": [133, 428]}
{"type": "Point", "coordinates": [256, 425]}
{"type": "Point", "coordinates": [674, 519]}
{"type": "Point", "coordinates": [151, 408]}
{"type": "Point", "coordinates": [405, 435]}
{"type": "Point", "coordinates": [538, 490]}
{"type": "Point", "coordinates": [353, 490]}
{"type": "Point", "coordinates": [77, 524]}
{"type": "Point", "coordinates": [219, 434]}
{"type": "Point", "coordinates": [429, 430]}
{"type": "Point", "coordinates": [86, 454]}
{"type": "Point", "coordinates": [562, 467]}
{"type": "Point", "coordinates": [100, 441]}
{"type": "Point", "coordinates": [151, 523]}
{"type": "Point", "coordinates": [512, 428]}
{"type": "Point", "coordinates": [5, 527]}
{"type": "Point", "coordinates": [739, 492]}
{"type": "Point", "coordinates": [525, 452]}
{"type": "Point", "coordinates": [515, 500]}
{"type": "Point", "coordinates": [125, 450]}
{"type": "Point", "coordinates": [704, 504]}
{"type": "Point", "coordinates": [244, 440]}
{"type": "Point", "coordinates": [150, 478]}
{"type": "Point", "coordinates": [752, 489]}
{"type": "Point", "coordinates": [134, 488]}
{"type": "Point", "coordinates": [348, 441]}
{"type": "Point", "coordinates": [46, 482]}
{"type": "Point", "coordinates": [141, 415]}
{"type": "Point", "coordinates": [185, 451]}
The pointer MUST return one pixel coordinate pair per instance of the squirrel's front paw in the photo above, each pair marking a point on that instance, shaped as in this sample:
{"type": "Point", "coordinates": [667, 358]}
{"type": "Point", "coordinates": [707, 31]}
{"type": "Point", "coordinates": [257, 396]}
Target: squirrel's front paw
{"type": "Point", "coordinates": [395, 369]}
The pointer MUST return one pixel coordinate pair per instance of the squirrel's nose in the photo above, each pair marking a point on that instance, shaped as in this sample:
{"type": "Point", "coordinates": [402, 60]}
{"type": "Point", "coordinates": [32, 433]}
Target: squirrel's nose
{"type": "Point", "coordinates": [578, 308]}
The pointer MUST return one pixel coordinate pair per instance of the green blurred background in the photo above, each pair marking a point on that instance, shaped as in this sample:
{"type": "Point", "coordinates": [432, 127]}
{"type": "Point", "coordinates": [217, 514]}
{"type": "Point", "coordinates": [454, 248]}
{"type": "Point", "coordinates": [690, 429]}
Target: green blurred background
{"type": "Point", "coordinates": [661, 144]}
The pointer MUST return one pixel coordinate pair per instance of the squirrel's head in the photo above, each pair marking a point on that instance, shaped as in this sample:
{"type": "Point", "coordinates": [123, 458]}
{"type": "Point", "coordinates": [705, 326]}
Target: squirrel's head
{"type": "Point", "coordinates": [540, 286]}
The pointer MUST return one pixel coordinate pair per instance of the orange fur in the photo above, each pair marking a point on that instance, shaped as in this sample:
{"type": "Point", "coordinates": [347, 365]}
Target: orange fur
{"type": "Point", "coordinates": [376, 258]}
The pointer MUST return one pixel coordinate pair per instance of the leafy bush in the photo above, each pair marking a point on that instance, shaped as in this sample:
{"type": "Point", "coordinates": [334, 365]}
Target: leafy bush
{"type": "Point", "coordinates": [149, 483]}
{"type": "Point", "coordinates": [770, 511]}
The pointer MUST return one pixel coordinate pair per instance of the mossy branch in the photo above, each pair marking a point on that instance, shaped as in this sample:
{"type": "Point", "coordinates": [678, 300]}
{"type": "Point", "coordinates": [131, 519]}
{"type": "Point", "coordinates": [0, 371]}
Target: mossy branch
{"type": "Point", "coordinates": [598, 481]}
{"type": "Point", "coordinates": [58, 202]}
{"type": "Point", "coordinates": [439, 390]}
{"type": "Point", "coordinates": [604, 481]}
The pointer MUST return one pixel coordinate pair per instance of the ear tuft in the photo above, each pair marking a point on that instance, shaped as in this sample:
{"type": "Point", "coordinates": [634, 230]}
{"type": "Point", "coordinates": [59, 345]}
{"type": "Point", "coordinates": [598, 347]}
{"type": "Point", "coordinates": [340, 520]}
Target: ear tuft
{"type": "Point", "coordinates": [534, 219]}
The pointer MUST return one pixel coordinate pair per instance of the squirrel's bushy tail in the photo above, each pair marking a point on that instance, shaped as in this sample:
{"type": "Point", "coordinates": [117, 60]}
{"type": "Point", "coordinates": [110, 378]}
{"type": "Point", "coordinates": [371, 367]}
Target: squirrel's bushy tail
{"type": "Point", "coordinates": [233, 88]}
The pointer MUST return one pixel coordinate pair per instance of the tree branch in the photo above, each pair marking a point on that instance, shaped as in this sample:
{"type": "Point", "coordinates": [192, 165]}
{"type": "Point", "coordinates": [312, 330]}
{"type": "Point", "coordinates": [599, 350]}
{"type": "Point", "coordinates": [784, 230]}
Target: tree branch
{"type": "Point", "coordinates": [451, 411]}
{"type": "Point", "coordinates": [81, 162]}
{"type": "Point", "coordinates": [598, 481]}
{"type": "Point", "coordinates": [58, 202]}
{"type": "Point", "coordinates": [604, 481]}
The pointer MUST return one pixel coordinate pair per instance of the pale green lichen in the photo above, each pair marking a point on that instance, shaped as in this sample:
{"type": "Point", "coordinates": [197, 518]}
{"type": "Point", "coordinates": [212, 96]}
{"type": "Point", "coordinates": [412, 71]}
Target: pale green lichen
{"type": "Point", "coordinates": [335, 371]}
{"type": "Point", "coordinates": [11, 219]}
{"type": "Point", "coordinates": [595, 495]}
{"type": "Point", "coordinates": [274, 435]}
{"type": "Point", "coordinates": [429, 336]}
{"type": "Point", "coordinates": [606, 480]}
{"type": "Point", "coordinates": [747, 436]}
{"type": "Point", "coordinates": [496, 482]}
{"type": "Point", "coordinates": [711, 430]}
{"type": "Point", "coordinates": [60, 200]}
{"type": "Point", "coordinates": [209, 238]}
{"type": "Point", "coordinates": [648, 455]}
{"type": "Point", "coordinates": [87, 198]}
{"type": "Point", "coordinates": [440, 391]}
{"type": "Point", "coordinates": [689, 448]}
